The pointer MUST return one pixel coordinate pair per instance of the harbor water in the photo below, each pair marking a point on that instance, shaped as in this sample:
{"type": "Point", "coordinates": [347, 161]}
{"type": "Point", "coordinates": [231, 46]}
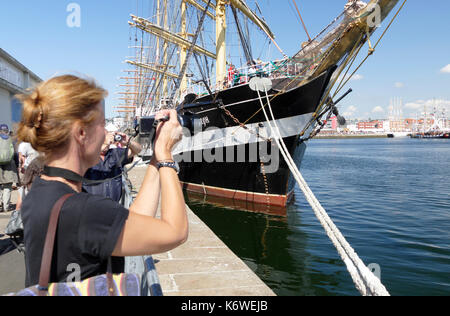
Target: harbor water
{"type": "Point", "coordinates": [389, 197]}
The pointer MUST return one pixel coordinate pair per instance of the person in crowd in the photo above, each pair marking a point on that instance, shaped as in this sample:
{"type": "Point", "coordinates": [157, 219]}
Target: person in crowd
{"type": "Point", "coordinates": [26, 155]}
{"type": "Point", "coordinates": [8, 168]}
{"type": "Point", "coordinates": [237, 78]}
{"type": "Point", "coordinates": [34, 170]}
{"type": "Point", "coordinates": [251, 69]}
{"type": "Point", "coordinates": [259, 67]}
{"type": "Point", "coordinates": [64, 119]}
{"type": "Point", "coordinates": [113, 158]}
{"type": "Point", "coordinates": [230, 77]}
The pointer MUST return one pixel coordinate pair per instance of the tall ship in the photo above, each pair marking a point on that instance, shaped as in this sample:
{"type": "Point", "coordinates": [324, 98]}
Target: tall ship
{"type": "Point", "coordinates": [434, 124]}
{"type": "Point", "coordinates": [203, 58]}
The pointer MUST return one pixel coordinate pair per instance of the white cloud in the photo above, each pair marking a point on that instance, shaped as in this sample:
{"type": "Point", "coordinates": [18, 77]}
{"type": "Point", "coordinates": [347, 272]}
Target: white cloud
{"type": "Point", "coordinates": [414, 105]}
{"type": "Point", "coordinates": [352, 108]}
{"type": "Point", "coordinates": [358, 77]}
{"type": "Point", "coordinates": [399, 85]}
{"type": "Point", "coordinates": [350, 111]}
{"type": "Point", "coordinates": [430, 104]}
{"type": "Point", "coordinates": [378, 109]}
{"type": "Point", "coordinates": [355, 77]}
{"type": "Point", "coordinates": [446, 69]}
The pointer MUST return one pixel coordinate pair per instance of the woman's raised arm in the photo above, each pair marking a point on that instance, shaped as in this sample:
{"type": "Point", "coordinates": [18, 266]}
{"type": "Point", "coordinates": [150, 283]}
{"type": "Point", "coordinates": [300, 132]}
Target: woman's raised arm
{"type": "Point", "coordinates": [142, 233]}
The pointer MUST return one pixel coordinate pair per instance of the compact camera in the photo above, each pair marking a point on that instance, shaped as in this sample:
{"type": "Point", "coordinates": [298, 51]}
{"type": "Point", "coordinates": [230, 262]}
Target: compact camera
{"type": "Point", "coordinates": [117, 138]}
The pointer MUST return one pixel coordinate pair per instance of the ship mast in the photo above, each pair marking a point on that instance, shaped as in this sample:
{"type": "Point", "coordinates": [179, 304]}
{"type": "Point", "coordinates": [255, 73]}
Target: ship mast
{"type": "Point", "coordinates": [158, 23]}
{"type": "Point", "coordinates": [167, 37]}
{"type": "Point", "coordinates": [221, 49]}
{"type": "Point", "coordinates": [183, 50]}
{"type": "Point", "coordinates": [221, 27]}
{"type": "Point", "coordinates": [166, 46]}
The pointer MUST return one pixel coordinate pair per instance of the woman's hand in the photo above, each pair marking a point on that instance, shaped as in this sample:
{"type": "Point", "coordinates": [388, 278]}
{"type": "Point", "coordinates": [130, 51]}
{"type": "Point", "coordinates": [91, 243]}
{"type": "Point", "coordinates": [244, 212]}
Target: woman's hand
{"type": "Point", "coordinates": [168, 134]}
{"type": "Point", "coordinates": [123, 139]}
{"type": "Point", "coordinates": [143, 234]}
{"type": "Point", "coordinates": [109, 140]}
{"type": "Point", "coordinates": [134, 147]}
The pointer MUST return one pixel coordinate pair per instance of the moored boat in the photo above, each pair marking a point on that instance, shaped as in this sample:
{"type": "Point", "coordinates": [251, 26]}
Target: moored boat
{"type": "Point", "coordinates": [234, 155]}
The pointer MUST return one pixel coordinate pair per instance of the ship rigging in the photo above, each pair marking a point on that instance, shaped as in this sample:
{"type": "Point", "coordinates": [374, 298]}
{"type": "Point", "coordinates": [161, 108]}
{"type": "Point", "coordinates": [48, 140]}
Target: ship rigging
{"type": "Point", "coordinates": [182, 60]}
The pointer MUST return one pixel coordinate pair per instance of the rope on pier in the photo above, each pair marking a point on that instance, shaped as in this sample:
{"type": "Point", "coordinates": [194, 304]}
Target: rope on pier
{"type": "Point", "coordinates": [365, 281]}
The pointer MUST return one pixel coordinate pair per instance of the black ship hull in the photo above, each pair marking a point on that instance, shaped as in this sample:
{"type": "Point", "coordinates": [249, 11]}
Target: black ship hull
{"type": "Point", "coordinates": [431, 135]}
{"type": "Point", "coordinates": [230, 161]}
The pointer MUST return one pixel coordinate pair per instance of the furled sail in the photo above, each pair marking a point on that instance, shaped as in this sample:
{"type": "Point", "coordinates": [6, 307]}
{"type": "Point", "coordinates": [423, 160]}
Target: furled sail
{"type": "Point", "coordinates": [156, 30]}
{"type": "Point", "coordinates": [242, 6]}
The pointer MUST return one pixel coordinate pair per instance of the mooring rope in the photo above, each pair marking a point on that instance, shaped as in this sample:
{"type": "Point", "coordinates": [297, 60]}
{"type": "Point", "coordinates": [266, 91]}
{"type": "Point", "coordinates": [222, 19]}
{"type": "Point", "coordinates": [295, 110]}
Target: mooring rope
{"type": "Point", "coordinates": [365, 281]}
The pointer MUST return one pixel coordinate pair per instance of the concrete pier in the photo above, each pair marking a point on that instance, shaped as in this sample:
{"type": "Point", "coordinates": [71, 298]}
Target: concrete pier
{"type": "Point", "coordinates": [203, 266]}
{"type": "Point", "coordinates": [12, 264]}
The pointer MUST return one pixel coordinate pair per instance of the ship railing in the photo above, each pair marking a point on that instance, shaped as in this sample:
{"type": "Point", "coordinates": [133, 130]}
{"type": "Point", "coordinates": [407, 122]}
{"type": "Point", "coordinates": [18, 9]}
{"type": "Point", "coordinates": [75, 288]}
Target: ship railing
{"type": "Point", "coordinates": [278, 69]}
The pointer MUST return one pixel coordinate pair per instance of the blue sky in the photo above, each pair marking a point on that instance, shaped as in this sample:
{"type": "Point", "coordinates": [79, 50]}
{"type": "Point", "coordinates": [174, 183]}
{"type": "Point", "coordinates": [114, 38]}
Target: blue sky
{"type": "Point", "coordinates": [407, 63]}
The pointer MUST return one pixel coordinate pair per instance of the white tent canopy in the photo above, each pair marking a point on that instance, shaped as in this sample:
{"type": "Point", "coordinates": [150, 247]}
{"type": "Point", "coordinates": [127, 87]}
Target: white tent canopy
{"type": "Point", "coordinates": [111, 128]}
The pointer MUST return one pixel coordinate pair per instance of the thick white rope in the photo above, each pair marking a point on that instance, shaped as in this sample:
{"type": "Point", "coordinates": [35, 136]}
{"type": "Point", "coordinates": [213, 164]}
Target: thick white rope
{"type": "Point", "coordinates": [365, 281]}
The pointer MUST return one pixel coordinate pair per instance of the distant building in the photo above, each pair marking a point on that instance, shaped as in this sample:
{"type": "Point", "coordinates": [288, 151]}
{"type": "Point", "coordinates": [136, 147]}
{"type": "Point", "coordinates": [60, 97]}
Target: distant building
{"type": "Point", "coordinates": [395, 122]}
{"type": "Point", "coordinates": [396, 126]}
{"type": "Point", "coordinates": [410, 124]}
{"type": "Point", "coordinates": [331, 124]}
{"type": "Point", "coordinates": [371, 125]}
{"type": "Point", "coordinates": [119, 122]}
{"type": "Point", "coordinates": [352, 128]}
{"type": "Point", "coordinates": [15, 78]}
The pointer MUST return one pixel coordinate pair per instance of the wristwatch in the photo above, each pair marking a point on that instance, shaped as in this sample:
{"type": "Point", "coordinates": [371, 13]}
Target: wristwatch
{"type": "Point", "coordinates": [169, 164]}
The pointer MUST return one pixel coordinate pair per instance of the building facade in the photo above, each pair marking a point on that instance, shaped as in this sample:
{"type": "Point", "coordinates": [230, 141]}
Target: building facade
{"type": "Point", "coordinates": [14, 78]}
{"type": "Point", "coordinates": [370, 125]}
{"type": "Point", "coordinates": [331, 124]}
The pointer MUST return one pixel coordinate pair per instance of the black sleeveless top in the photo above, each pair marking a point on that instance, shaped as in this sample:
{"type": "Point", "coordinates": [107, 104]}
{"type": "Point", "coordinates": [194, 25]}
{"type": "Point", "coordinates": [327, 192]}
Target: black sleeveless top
{"type": "Point", "coordinates": [88, 230]}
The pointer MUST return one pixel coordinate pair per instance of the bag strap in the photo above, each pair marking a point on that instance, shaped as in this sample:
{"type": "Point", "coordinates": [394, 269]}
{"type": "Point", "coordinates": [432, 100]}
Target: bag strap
{"type": "Point", "coordinates": [47, 255]}
{"type": "Point", "coordinates": [110, 280]}
{"type": "Point", "coordinates": [46, 263]}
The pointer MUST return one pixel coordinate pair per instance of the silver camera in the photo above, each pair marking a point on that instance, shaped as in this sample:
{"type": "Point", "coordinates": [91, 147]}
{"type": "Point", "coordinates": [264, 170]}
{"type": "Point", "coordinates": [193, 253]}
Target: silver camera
{"type": "Point", "coordinates": [117, 138]}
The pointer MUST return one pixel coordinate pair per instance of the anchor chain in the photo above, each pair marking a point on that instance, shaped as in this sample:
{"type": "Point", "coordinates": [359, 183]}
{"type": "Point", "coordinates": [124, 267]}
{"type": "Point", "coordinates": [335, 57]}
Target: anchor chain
{"type": "Point", "coordinates": [236, 120]}
{"type": "Point", "coordinates": [263, 170]}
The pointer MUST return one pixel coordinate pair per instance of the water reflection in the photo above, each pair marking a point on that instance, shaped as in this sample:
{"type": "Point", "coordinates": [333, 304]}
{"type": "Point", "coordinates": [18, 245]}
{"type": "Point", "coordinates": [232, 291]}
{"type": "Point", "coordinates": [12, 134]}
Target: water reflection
{"type": "Point", "coordinates": [272, 246]}
{"type": "Point", "coordinates": [390, 199]}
